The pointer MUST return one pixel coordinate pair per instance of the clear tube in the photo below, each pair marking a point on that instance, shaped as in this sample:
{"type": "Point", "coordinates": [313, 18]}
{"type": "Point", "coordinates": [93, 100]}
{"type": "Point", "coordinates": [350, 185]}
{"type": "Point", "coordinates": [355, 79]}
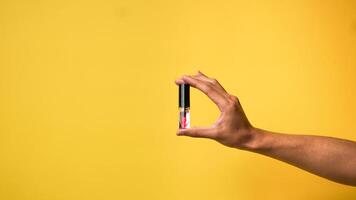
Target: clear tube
{"type": "Point", "coordinates": [184, 117]}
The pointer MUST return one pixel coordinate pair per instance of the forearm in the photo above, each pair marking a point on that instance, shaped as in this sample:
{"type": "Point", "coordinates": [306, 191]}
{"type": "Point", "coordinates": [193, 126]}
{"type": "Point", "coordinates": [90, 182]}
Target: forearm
{"type": "Point", "coordinates": [331, 158]}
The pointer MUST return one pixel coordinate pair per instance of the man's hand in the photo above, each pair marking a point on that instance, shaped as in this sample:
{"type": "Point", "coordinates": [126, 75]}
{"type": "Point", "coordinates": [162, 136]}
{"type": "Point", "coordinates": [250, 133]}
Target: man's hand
{"type": "Point", "coordinates": [232, 128]}
{"type": "Point", "coordinates": [331, 158]}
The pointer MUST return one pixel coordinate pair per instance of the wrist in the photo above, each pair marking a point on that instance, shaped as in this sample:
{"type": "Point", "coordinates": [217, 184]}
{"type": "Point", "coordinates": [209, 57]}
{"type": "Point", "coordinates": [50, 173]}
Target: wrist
{"type": "Point", "coordinates": [256, 140]}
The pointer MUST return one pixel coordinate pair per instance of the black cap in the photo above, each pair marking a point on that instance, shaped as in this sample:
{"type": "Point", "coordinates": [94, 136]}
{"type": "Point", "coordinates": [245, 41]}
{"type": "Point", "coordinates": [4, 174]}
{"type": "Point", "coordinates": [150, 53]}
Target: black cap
{"type": "Point", "coordinates": [184, 95]}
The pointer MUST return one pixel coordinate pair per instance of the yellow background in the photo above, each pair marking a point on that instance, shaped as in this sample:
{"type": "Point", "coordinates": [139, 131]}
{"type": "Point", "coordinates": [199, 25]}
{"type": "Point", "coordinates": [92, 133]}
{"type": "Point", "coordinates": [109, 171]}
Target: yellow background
{"type": "Point", "coordinates": [89, 110]}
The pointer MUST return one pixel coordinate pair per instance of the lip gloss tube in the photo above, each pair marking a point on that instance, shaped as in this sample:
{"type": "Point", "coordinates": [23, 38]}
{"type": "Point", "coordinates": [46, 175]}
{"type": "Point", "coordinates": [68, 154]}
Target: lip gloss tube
{"type": "Point", "coordinates": [184, 106]}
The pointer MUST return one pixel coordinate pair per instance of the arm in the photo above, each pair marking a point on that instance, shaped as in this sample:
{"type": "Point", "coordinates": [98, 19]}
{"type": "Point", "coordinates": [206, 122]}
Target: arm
{"type": "Point", "coordinates": [328, 157]}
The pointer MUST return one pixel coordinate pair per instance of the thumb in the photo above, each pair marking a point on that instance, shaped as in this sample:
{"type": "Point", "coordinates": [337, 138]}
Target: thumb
{"type": "Point", "coordinates": [201, 132]}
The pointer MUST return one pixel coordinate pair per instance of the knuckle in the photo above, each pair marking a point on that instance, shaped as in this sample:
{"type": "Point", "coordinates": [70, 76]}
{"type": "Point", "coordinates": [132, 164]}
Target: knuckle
{"type": "Point", "coordinates": [232, 102]}
{"type": "Point", "coordinates": [214, 81]}
{"type": "Point", "coordinates": [208, 87]}
{"type": "Point", "coordinates": [193, 134]}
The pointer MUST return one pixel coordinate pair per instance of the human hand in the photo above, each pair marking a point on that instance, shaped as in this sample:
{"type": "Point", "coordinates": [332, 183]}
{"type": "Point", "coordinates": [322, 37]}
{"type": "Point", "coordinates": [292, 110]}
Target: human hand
{"type": "Point", "coordinates": [232, 128]}
{"type": "Point", "coordinates": [331, 158]}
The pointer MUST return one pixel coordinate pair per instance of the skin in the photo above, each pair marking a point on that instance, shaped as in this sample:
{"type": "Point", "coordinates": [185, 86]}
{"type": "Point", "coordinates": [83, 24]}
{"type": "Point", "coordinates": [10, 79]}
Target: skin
{"type": "Point", "coordinates": [331, 158]}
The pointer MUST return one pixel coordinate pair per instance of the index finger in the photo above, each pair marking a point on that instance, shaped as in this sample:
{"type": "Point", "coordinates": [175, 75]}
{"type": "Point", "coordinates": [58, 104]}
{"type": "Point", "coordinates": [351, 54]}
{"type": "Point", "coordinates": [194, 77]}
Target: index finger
{"type": "Point", "coordinates": [208, 89]}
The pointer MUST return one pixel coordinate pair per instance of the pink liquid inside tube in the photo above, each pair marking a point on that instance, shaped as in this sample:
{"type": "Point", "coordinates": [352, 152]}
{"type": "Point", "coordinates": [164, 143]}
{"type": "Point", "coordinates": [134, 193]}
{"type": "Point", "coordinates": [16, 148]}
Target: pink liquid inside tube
{"type": "Point", "coordinates": [184, 106]}
{"type": "Point", "coordinates": [184, 118]}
